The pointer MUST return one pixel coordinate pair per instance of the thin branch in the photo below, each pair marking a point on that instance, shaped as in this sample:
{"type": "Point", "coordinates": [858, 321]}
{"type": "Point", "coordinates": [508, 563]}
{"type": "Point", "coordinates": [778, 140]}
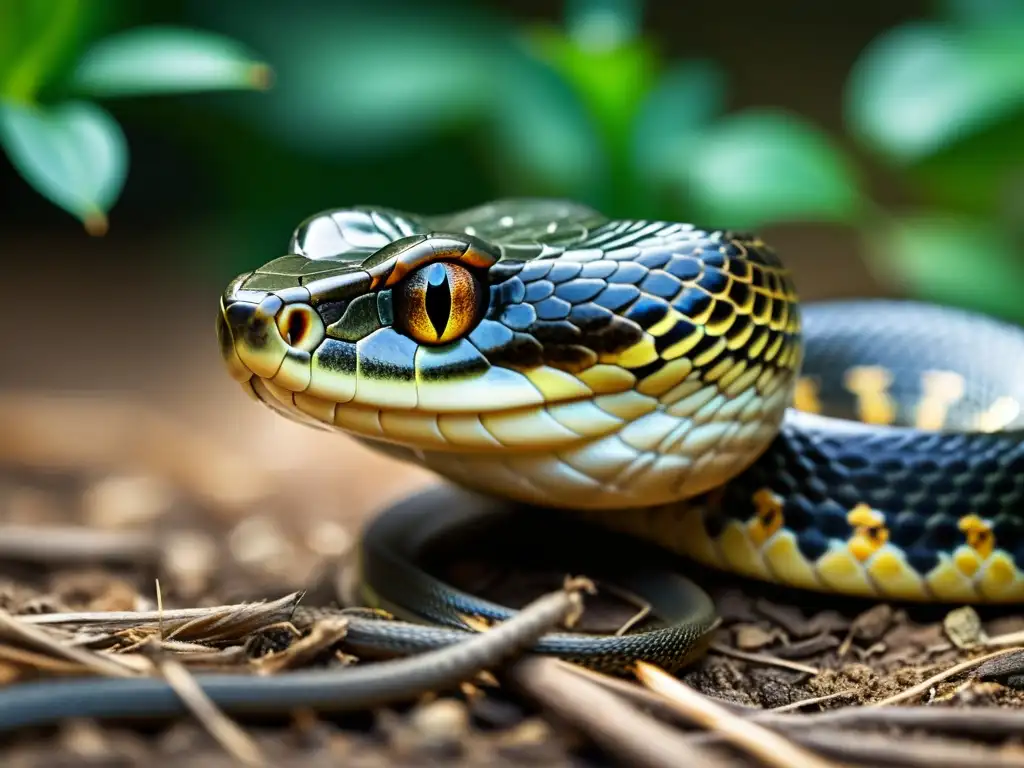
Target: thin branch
{"type": "Point", "coordinates": [767, 746]}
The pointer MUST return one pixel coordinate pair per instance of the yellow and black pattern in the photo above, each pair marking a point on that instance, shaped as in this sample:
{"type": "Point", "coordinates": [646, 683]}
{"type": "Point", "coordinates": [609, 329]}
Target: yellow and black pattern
{"type": "Point", "coordinates": [899, 474]}
{"type": "Point", "coordinates": [617, 362]}
{"type": "Point", "coordinates": [640, 372]}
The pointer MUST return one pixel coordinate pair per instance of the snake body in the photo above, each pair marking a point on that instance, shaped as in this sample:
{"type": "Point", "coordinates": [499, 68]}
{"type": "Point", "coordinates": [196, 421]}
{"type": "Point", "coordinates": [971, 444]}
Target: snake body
{"type": "Point", "coordinates": [652, 378]}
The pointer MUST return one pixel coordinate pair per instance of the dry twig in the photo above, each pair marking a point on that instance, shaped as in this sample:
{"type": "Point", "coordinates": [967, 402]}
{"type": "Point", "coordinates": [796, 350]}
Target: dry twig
{"type": "Point", "coordinates": [233, 739]}
{"type": "Point", "coordinates": [877, 750]}
{"type": "Point", "coordinates": [218, 624]}
{"type": "Point", "coordinates": [611, 722]}
{"type": "Point", "coordinates": [769, 747]}
{"type": "Point", "coordinates": [15, 627]}
{"type": "Point", "coordinates": [761, 658]}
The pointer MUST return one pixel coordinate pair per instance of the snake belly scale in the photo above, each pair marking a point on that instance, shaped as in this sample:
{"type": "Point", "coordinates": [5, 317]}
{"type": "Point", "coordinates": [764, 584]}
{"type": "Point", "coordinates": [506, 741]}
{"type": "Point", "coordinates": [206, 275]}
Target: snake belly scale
{"type": "Point", "coordinates": [657, 379]}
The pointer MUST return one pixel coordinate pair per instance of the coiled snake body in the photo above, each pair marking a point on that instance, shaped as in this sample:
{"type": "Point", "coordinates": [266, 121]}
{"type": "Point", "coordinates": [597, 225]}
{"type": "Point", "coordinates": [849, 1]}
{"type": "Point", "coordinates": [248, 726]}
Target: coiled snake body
{"type": "Point", "coordinates": [657, 379]}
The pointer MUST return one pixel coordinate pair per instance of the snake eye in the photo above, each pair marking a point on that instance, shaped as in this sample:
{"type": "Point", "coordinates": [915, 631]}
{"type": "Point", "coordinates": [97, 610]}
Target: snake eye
{"type": "Point", "coordinates": [300, 326]}
{"type": "Point", "coordinates": [438, 303]}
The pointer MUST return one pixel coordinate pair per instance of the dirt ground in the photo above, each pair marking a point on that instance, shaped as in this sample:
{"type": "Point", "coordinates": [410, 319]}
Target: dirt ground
{"type": "Point", "coordinates": [130, 477]}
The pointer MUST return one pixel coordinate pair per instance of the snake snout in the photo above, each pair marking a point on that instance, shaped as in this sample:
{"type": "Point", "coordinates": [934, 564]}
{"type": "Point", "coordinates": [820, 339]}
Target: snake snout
{"type": "Point", "coordinates": [268, 338]}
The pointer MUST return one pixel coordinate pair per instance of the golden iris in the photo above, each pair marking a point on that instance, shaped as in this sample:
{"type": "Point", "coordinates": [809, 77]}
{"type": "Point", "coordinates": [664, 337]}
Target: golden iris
{"type": "Point", "coordinates": [438, 303]}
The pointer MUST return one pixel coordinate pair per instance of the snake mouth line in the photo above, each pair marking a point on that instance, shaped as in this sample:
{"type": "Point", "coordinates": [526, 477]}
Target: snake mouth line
{"type": "Point", "coordinates": [541, 427]}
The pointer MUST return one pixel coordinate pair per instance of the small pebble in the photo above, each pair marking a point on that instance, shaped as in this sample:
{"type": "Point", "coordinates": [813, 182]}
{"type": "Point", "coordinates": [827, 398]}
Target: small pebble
{"type": "Point", "coordinates": [963, 627]}
{"type": "Point", "coordinates": [440, 725]}
{"type": "Point", "coordinates": [751, 637]}
{"type": "Point", "coordinates": [873, 623]}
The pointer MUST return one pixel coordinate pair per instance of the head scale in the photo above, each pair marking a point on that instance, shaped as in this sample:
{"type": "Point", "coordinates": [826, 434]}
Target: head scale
{"type": "Point", "coordinates": [541, 353]}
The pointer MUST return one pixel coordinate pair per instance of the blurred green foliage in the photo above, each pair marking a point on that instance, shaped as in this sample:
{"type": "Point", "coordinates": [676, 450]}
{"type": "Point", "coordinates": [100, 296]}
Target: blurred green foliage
{"type": "Point", "coordinates": [71, 150]}
{"type": "Point", "coordinates": [413, 104]}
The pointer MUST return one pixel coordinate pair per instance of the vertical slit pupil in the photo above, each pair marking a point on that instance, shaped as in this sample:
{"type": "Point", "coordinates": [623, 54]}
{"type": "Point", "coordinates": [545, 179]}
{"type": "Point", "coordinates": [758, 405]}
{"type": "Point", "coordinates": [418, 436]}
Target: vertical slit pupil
{"type": "Point", "coordinates": [438, 298]}
{"type": "Point", "coordinates": [296, 327]}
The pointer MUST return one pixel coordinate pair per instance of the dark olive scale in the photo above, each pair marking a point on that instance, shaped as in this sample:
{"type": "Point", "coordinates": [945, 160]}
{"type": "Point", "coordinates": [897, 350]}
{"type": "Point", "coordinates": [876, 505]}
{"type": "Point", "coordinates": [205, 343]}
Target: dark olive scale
{"type": "Point", "coordinates": [331, 311]}
{"type": "Point", "coordinates": [360, 319]}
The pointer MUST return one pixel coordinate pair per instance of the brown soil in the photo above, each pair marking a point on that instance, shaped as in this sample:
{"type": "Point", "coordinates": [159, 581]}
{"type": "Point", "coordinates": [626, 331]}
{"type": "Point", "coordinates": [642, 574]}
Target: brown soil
{"type": "Point", "coordinates": [204, 499]}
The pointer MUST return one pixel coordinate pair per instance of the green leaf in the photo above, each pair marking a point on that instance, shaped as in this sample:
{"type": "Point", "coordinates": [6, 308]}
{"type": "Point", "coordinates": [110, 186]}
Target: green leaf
{"type": "Point", "coordinates": [951, 260]}
{"type": "Point", "coordinates": [982, 12]}
{"type": "Point", "coordinates": [545, 141]}
{"type": "Point", "coordinates": [603, 24]}
{"type": "Point", "coordinates": [759, 167]}
{"type": "Point", "coordinates": [74, 154]}
{"type": "Point", "coordinates": [974, 175]}
{"type": "Point", "coordinates": [34, 39]}
{"type": "Point", "coordinates": [920, 87]}
{"type": "Point", "coordinates": [151, 60]}
{"type": "Point", "coordinates": [610, 82]}
{"type": "Point", "coordinates": [681, 104]}
{"type": "Point", "coordinates": [357, 83]}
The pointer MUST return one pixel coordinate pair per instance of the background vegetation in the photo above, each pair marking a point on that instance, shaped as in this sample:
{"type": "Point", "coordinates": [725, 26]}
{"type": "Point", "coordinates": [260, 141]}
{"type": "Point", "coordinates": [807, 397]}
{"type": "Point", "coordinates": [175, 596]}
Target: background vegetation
{"type": "Point", "coordinates": [234, 120]}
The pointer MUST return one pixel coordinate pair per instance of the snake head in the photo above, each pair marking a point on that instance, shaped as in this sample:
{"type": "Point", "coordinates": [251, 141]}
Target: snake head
{"type": "Point", "coordinates": [530, 349]}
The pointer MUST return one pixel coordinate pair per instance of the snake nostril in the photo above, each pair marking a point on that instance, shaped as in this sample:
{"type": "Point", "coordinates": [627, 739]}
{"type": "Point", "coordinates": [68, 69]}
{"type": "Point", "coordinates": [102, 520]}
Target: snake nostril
{"type": "Point", "coordinates": [300, 326]}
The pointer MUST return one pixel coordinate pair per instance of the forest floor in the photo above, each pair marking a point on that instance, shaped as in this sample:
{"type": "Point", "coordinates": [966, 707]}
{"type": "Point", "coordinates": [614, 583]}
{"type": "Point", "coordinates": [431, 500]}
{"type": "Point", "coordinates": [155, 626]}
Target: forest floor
{"type": "Point", "coordinates": [168, 521]}
{"type": "Point", "coordinates": [149, 483]}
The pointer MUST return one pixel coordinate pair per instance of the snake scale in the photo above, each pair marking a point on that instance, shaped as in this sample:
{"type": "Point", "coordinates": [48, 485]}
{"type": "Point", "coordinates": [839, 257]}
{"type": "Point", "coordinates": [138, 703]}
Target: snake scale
{"type": "Point", "coordinates": [653, 379]}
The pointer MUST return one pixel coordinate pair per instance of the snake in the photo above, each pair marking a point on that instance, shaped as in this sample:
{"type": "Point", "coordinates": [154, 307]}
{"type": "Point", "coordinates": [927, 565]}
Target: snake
{"type": "Point", "coordinates": [628, 388]}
